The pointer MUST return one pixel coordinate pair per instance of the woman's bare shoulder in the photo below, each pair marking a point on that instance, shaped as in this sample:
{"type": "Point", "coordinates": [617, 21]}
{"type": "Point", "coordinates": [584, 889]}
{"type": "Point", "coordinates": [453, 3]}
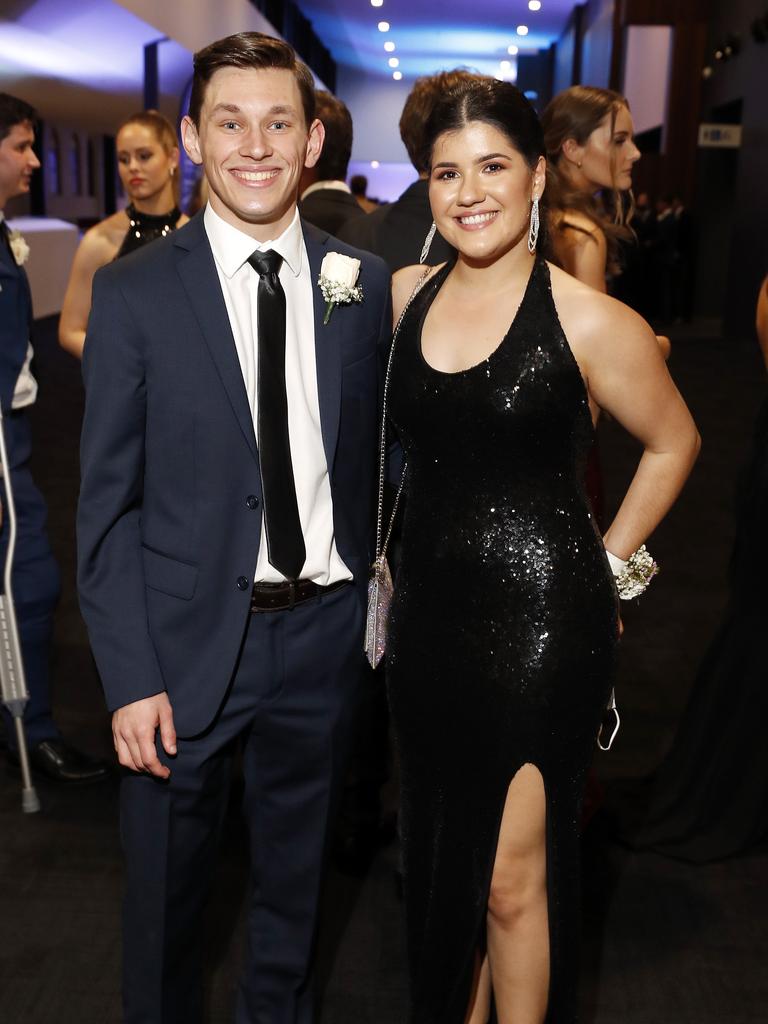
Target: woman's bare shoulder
{"type": "Point", "coordinates": [587, 315]}
{"type": "Point", "coordinates": [578, 229]}
{"type": "Point", "coordinates": [101, 242]}
{"type": "Point", "coordinates": [403, 283]}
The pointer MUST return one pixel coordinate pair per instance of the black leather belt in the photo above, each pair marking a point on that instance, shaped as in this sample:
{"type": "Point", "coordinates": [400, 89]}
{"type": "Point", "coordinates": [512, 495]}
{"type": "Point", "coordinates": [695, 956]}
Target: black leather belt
{"type": "Point", "coordinates": [279, 597]}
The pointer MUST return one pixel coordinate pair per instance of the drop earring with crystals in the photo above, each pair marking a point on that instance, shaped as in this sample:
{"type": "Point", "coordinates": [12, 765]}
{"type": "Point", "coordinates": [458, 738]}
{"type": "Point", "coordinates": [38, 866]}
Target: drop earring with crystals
{"type": "Point", "coordinates": [533, 230]}
{"type": "Point", "coordinates": [427, 243]}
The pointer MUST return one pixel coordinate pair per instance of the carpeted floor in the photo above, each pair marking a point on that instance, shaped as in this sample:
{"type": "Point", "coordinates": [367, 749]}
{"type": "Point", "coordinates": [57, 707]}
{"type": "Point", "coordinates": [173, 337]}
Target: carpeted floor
{"type": "Point", "coordinates": [665, 943]}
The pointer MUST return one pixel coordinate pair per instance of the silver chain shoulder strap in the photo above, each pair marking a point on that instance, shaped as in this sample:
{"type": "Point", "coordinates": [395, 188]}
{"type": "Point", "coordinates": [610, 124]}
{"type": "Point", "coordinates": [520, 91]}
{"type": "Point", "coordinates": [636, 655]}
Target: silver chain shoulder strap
{"type": "Point", "coordinates": [381, 549]}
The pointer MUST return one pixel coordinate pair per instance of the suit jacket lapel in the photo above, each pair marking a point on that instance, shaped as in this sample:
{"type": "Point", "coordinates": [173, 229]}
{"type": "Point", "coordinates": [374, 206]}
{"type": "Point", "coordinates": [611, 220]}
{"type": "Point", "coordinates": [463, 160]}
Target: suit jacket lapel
{"type": "Point", "coordinates": [197, 271]}
{"type": "Point", "coordinates": [327, 347]}
{"type": "Point", "coordinates": [12, 267]}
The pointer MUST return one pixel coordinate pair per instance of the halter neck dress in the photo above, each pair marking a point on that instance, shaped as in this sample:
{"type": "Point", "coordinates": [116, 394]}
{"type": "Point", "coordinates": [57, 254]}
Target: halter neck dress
{"type": "Point", "coordinates": [146, 227]}
{"type": "Point", "coordinates": [503, 634]}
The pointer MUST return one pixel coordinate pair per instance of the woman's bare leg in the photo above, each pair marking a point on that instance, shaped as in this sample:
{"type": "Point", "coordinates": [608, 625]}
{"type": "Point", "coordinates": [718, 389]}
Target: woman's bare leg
{"type": "Point", "coordinates": [518, 920]}
{"type": "Point", "coordinates": [480, 1000]}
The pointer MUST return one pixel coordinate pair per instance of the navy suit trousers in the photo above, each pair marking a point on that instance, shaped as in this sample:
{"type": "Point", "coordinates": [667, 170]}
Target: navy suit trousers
{"type": "Point", "coordinates": [288, 706]}
{"type": "Point", "coordinates": [35, 580]}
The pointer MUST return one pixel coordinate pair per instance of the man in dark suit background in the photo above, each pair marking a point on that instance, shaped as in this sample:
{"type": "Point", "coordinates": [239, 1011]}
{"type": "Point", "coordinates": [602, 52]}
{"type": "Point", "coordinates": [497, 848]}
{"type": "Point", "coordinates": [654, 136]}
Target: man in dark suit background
{"type": "Point", "coordinates": [35, 573]}
{"type": "Point", "coordinates": [326, 199]}
{"type": "Point", "coordinates": [397, 231]}
{"type": "Point", "coordinates": [228, 457]}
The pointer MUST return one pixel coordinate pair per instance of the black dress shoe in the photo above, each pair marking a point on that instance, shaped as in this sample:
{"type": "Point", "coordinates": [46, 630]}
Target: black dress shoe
{"type": "Point", "coordinates": [56, 760]}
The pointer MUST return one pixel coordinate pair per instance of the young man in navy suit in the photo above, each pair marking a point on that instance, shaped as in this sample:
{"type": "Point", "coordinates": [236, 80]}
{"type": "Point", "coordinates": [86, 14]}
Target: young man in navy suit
{"type": "Point", "coordinates": [35, 573]}
{"type": "Point", "coordinates": [228, 460]}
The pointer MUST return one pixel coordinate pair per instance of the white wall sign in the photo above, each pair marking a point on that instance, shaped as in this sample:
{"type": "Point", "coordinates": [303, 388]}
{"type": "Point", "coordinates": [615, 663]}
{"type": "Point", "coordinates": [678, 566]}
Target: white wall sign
{"type": "Point", "coordinates": [723, 136]}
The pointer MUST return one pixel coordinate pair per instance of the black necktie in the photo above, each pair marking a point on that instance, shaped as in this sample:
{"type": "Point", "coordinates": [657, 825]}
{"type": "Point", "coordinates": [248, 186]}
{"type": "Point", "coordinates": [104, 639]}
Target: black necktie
{"type": "Point", "coordinates": [285, 541]}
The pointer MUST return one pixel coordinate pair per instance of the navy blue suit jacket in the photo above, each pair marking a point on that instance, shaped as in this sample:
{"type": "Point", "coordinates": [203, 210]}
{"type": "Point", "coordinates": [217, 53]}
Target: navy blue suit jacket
{"type": "Point", "coordinates": [169, 459]}
{"type": "Point", "coordinates": [15, 321]}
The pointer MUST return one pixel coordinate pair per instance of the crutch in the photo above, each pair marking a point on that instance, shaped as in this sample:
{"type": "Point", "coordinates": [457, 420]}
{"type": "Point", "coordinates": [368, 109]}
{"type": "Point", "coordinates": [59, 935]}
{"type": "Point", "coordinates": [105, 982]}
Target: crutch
{"type": "Point", "coordinates": [12, 680]}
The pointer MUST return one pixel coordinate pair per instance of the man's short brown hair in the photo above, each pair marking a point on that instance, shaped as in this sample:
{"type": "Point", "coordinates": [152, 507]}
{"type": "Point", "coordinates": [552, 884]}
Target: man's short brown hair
{"type": "Point", "coordinates": [250, 50]}
{"type": "Point", "coordinates": [421, 99]}
{"type": "Point", "coordinates": [14, 111]}
{"type": "Point", "coordinates": [334, 158]}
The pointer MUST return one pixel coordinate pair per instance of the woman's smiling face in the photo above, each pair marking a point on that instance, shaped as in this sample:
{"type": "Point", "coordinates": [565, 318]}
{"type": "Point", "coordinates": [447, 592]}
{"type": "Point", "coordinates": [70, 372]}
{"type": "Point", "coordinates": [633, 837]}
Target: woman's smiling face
{"type": "Point", "coordinates": [480, 190]}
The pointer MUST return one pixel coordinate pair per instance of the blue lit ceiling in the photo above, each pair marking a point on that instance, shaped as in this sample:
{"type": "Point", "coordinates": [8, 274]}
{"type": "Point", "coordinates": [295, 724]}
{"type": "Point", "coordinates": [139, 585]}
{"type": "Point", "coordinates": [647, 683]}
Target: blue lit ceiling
{"type": "Point", "coordinates": [433, 35]}
{"type": "Point", "coordinates": [96, 43]}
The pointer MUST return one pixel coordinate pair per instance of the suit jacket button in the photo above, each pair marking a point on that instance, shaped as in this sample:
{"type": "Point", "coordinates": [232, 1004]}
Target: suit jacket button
{"type": "Point", "coordinates": [252, 501]}
{"type": "Point", "coordinates": [242, 583]}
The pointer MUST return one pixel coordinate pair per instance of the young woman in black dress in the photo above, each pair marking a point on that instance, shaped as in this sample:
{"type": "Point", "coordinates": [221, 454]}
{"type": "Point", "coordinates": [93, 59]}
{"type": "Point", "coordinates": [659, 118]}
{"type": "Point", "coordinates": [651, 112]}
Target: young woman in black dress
{"type": "Point", "coordinates": [147, 162]}
{"type": "Point", "coordinates": [505, 622]}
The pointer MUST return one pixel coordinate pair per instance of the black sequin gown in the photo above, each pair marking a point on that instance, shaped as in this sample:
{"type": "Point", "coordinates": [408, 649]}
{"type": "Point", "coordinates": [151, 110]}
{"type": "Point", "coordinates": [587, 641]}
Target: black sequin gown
{"type": "Point", "coordinates": [503, 634]}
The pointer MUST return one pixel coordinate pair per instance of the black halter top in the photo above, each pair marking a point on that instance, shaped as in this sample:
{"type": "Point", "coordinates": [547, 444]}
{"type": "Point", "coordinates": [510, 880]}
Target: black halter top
{"type": "Point", "coordinates": [146, 227]}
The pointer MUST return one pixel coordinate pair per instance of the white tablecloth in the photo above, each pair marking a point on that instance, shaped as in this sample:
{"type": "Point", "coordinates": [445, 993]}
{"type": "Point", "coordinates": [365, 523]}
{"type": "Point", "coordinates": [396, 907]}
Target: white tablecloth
{"type": "Point", "coordinates": [52, 244]}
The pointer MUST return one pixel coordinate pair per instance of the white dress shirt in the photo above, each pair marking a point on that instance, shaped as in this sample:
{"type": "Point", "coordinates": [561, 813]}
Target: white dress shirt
{"type": "Point", "coordinates": [239, 283]}
{"type": "Point", "coordinates": [338, 186]}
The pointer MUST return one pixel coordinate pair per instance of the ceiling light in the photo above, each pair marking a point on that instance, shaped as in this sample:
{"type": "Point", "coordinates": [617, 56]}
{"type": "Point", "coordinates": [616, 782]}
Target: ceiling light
{"type": "Point", "coordinates": [393, 62]}
{"type": "Point", "coordinates": [534, 5]}
{"type": "Point", "coordinates": [389, 46]}
{"type": "Point", "coordinates": [512, 51]}
{"type": "Point", "coordinates": [374, 164]}
{"type": "Point", "coordinates": [397, 75]}
{"type": "Point", "coordinates": [505, 65]}
{"type": "Point", "coordinates": [522, 30]}
{"type": "Point", "coordinates": [377, 3]}
{"type": "Point", "coordinates": [383, 26]}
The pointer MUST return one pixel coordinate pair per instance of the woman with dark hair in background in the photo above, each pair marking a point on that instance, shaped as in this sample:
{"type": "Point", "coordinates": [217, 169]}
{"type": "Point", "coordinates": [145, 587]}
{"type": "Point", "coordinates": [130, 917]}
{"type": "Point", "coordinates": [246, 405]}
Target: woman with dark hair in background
{"type": "Point", "coordinates": [505, 622]}
{"type": "Point", "coordinates": [148, 161]}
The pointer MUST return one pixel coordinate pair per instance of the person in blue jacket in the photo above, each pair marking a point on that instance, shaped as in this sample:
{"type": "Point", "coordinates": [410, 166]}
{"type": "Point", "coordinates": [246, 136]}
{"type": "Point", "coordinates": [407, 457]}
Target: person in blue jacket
{"type": "Point", "coordinates": [35, 577]}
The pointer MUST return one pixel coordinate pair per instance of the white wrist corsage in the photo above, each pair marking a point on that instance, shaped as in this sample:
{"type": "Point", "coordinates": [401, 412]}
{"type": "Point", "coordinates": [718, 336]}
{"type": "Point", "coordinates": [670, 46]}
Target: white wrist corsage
{"type": "Point", "coordinates": [19, 247]}
{"type": "Point", "coordinates": [633, 575]}
{"type": "Point", "coordinates": [338, 277]}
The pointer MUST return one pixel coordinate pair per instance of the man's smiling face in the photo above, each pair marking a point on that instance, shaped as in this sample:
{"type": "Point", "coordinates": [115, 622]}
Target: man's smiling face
{"type": "Point", "coordinates": [253, 143]}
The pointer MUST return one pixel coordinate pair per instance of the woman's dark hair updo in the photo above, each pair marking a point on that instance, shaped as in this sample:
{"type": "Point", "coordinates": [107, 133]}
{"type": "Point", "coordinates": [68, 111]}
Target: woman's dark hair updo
{"type": "Point", "coordinates": [499, 104]}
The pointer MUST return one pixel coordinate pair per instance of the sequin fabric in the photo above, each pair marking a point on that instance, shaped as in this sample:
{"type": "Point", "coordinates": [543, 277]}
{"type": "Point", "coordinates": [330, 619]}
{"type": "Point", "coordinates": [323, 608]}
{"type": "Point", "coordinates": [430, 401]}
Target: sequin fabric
{"type": "Point", "coordinates": [503, 634]}
{"type": "Point", "coordinates": [146, 227]}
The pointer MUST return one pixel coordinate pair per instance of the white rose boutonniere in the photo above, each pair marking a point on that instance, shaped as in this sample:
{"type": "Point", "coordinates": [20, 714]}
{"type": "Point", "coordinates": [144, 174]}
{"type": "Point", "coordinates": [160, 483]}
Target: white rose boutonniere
{"type": "Point", "coordinates": [338, 276]}
{"type": "Point", "coordinates": [19, 247]}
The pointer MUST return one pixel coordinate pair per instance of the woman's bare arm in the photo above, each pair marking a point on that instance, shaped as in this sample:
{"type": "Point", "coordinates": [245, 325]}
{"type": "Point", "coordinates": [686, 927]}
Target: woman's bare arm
{"type": "Point", "coordinates": [761, 320]}
{"type": "Point", "coordinates": [628, 378]}
{"type": "Point", "coordinates": [95, 251]}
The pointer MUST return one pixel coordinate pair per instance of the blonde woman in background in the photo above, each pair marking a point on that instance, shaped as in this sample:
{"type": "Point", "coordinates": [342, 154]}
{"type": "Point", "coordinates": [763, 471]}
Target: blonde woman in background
{"type": "Point", "coordinates": [148, 161]}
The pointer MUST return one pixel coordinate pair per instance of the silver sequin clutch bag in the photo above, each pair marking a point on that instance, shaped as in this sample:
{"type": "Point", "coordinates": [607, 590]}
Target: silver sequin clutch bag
{"type": "Point", "coordinates": [380, 594]}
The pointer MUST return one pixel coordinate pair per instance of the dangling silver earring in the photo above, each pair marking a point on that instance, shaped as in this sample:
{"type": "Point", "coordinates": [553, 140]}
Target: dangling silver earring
{"type": "Point", "coordinates": [427, 243]}
{"type": "Point", "coordinates": [533, 230]}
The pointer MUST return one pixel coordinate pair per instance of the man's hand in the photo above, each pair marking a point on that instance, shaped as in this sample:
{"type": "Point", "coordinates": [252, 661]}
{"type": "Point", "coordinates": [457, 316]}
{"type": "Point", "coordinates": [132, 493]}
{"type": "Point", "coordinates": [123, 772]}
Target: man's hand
{"type": "Point", "coordinates": [133, 730]}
